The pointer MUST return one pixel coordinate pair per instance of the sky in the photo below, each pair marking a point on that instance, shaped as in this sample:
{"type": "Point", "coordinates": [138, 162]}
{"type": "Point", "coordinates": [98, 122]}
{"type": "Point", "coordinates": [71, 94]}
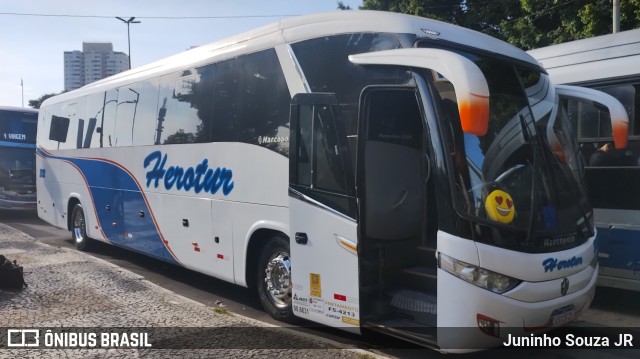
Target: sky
{"type": "Point", "coordinates": [32, 47]}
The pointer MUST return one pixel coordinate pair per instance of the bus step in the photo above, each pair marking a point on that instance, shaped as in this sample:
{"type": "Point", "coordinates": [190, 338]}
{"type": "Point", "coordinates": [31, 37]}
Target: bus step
{"type": "Point", "coordinates": [427, 256]}
{"type": "Point", "coordinates": [421, 334]}
{"type": "Point", "coordinates": [423, 279]}
{"type": "Point", "coordinates": [420, 306]}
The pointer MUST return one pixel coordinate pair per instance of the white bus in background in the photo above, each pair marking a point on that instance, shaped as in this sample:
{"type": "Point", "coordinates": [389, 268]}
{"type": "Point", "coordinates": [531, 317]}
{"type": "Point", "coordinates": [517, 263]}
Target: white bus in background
{"type": "Point", "coordinates": [363, 170]}
{"type": "Point", "coordinates": [609, 63]}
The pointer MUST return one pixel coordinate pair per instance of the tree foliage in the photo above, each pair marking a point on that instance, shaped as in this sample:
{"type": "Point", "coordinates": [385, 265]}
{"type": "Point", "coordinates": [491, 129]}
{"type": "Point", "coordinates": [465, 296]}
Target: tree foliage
{"type": "Point", "coordinates": [525, 23]}
{"type": "Point", "coordinates": [342, 6]}
{"type": "Point", "coordinates": [37, 102]}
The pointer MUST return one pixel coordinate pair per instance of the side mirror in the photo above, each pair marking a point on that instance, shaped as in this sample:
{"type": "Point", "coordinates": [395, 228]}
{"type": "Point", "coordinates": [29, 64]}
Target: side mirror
{"type": "Point", "coordinates": [470, 85]}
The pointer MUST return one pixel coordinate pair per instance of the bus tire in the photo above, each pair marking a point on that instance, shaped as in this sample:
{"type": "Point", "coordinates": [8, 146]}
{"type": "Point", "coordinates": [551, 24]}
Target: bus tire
{"type": "Point", "coordinates": [79, 228]}
{"type": "Point", "coordinates": [274, 279]}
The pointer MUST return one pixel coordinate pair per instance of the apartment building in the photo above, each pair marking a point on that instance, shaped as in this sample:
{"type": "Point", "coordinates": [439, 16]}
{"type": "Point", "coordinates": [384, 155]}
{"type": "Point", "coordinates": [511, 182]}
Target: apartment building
{"type": "Point", "coordinates": [96, 61]}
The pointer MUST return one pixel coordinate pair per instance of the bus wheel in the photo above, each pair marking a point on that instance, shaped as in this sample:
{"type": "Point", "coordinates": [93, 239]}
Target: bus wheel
{"type": "Point", "coordinates": [274, 279]}
{"type": "Point", "coordinates": [79, 228]}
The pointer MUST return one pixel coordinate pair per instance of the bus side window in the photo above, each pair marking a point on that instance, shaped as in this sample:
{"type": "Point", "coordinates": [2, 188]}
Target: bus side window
{"type": "Point", "coordinates": [251, 102]}
{"type": "Point", "coordinates": [320, 163]}
{"type": "Point", "coordinates": [304, 146]}
{"type": "Point", "coordinates": [59, 128]}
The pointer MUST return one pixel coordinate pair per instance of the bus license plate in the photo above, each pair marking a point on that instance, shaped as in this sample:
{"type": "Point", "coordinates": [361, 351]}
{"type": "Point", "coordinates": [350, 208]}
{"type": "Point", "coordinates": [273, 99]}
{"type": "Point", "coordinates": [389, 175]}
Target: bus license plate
{"type": "Point", "coordinates": [563, 315]}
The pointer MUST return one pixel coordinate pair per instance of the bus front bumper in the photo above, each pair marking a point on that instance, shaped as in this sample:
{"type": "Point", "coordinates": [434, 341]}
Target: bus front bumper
{"type": "Point", "coordinates": [481, 319]}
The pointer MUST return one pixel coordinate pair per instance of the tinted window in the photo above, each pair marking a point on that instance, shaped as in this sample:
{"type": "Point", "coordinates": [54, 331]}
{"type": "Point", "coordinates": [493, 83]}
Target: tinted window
{"type": "Point", "coordinates": [136, 114]}
{"type": "Point", "coordinates": [107, 119]}
{"type": "Point", "coordinates": [185, 107]}
{"type": "Point", "coordinates": [18, 126]}
{"type": "Point", "coordinates": [326, 66]}
{"type": "Point", "coordinates": [305, 144]}
{"type": "Point", "coordinates": [629, 96]}
{"type": "Point", "coordinates": [320, 163]}
{"type": "Point", "coordinates": [251, 102]}
{"type": "Point", "coordinates": [327, 164]}
{"type": "Point", "coordinates": [95, 105]}
{"type": "Point", "coordinates": [614, 174]}
{"type": "Point", "coordinates": [593, 122]}
{"type": "Point", "coordinates": [59, 129]}
{"type": "Point", "coordinates": [73, 110]}
{"type": "Point", "coordinates": [400, 124]}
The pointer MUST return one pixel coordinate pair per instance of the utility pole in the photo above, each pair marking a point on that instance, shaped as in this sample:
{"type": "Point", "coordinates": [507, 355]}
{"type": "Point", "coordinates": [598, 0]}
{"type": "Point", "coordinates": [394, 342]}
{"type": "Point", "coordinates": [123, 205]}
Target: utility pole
{"type": "Point", "coordinates": [616, 16]}
{"type": "Point", "coordinates": [130, 21]}
{"type": "Point", "coordinates": [22, 86]}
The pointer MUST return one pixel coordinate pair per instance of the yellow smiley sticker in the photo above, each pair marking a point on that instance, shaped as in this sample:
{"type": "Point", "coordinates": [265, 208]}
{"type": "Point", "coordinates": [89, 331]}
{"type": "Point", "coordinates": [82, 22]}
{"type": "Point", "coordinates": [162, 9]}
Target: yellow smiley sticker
{"type": "Point", "coordinates": [499, 206]}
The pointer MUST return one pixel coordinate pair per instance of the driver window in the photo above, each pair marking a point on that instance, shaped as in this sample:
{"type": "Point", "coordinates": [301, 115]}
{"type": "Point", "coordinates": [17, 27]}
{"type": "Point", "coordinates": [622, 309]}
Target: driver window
{"type": "Point", "coordinates": [320, 160]}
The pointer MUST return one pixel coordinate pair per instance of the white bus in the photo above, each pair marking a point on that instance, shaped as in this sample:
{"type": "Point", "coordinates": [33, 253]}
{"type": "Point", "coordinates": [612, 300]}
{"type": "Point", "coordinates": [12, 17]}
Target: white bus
{"type": "Point", "coordinates": [363, 170]}
{"type": "Point", "coordinates": [608, 63]}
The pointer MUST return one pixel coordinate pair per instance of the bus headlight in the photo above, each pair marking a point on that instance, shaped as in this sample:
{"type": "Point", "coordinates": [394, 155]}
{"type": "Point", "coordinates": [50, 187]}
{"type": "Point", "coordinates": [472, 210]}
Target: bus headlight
{"type": "Point", "coordinates": [483, 278]}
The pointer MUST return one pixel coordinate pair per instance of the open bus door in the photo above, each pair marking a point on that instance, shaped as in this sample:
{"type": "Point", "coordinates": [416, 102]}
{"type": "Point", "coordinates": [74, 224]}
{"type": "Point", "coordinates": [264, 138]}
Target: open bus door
{"type": "Point", "coordinates": [322, 206]}
{"type": "Point", "coordinates": [324, 223]}
{"type": "Point", "coordinates": [472, 97]}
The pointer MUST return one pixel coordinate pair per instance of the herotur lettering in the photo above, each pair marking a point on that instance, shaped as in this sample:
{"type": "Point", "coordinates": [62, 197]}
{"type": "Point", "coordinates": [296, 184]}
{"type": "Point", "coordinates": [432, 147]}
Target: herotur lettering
{"type": "Point", "coordinates": [199, 178]}
{"type": "Point", "coordinates": [550, 264]}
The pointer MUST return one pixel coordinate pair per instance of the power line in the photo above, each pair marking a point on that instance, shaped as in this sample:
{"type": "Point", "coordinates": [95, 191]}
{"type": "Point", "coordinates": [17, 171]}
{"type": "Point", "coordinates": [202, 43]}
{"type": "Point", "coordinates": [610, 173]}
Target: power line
{"type": "Point", "coordinates": [148, 17]}
{"type": "Point", "coordinates": [540, 13]}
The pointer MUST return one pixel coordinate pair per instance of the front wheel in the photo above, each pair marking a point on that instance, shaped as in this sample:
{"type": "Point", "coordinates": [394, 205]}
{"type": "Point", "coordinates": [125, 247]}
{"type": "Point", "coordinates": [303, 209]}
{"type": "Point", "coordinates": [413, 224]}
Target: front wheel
{"type": "Point", "coordinates": [274, 280]}
{"type": "Point", "coordinates": [79, 228]}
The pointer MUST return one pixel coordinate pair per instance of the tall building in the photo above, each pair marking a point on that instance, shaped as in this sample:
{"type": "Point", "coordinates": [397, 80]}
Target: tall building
{"type": "Point", "coordinates": [96, 61]}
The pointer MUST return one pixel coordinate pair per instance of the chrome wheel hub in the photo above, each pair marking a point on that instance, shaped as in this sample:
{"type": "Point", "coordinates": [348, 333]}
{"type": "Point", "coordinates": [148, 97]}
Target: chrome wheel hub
{"type": "Point", "coordinates": [78, 225]}
{"type": "Point", "coordinates": [278, 279]}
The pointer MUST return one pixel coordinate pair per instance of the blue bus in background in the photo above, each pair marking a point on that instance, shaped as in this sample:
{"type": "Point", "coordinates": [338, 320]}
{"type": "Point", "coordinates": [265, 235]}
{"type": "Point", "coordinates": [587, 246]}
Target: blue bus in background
{"type": "Point", "coordinates": [17, 158]}
{"type": "Point", "coordinates": [609, 63]}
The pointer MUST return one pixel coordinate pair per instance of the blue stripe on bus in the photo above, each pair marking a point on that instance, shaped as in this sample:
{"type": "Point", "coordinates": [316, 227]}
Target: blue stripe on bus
{"type": "Point", "coordinates": [621, 248]}
{"type": "Point", "coordinates": [111, 185]}
{"type": "Point", "coordinates": [17, 144]}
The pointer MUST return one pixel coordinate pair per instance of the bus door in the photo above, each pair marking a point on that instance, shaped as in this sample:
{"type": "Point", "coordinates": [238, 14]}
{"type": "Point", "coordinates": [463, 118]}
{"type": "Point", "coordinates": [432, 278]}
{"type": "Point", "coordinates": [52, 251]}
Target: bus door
{"type": "Point", "coordinates": [322, 207]}
{"type": "Point", "coordinates": [411, 292]}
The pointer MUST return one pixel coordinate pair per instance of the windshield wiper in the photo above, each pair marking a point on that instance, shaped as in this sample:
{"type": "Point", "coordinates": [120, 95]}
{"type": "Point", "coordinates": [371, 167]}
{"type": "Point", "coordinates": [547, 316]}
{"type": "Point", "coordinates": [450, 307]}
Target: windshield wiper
{"type": "Point", "coordinates": [536, 142]}
{"type": "Point", "coordinates": [533, 142]}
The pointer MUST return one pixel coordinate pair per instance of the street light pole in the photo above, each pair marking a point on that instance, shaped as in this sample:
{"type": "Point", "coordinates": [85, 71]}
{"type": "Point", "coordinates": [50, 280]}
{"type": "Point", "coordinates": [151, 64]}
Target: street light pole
{"type": "Point", "coordinates": [130, 21]}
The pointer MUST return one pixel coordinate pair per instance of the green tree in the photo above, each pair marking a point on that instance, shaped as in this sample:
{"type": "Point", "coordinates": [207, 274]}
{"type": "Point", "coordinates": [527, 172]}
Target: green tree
{"type": "Point", "coordinates": [525, 23]}
{"type": "Point", "coordinates": [342, 6]}
{"type": "Point", "coordinates": [37, 102]}
{"type": "Point", "coordinates": [548, 22]}
{"type": "Point", "coordinates": [481, 15]}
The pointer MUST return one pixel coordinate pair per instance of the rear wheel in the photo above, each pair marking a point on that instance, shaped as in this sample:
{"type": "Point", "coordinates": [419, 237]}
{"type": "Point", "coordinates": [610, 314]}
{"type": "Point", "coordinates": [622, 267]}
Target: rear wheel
{"type": "Point", "coordinates": [79, 228]}
{"type": "Point", "coordinates": [274, 279]}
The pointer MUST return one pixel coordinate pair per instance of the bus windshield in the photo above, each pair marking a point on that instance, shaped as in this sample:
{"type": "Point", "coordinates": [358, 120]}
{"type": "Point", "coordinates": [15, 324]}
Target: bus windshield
{"type": "Point", "coordinates": [17, 159]}
{"type": "Point", "coordinates": [521, 182]}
